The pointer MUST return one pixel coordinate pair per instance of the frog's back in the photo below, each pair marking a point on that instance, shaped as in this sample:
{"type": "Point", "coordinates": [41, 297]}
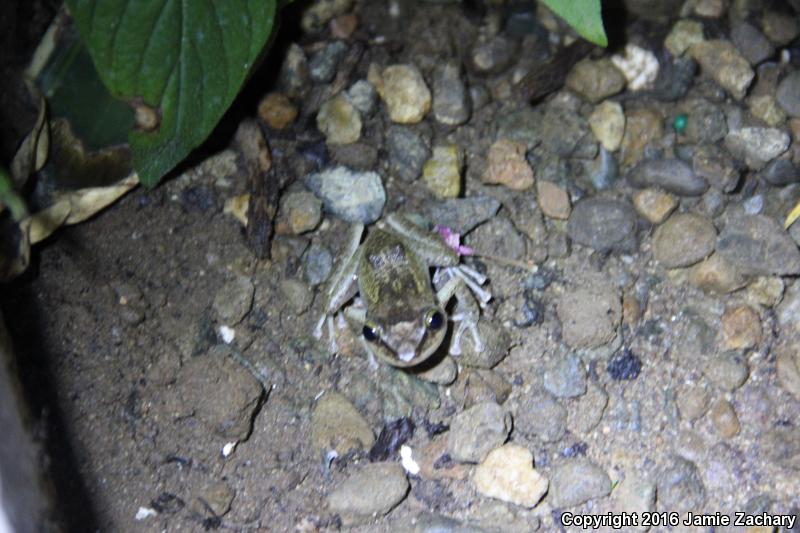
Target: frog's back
{"type": "Point", "coordinates": [391, 272]}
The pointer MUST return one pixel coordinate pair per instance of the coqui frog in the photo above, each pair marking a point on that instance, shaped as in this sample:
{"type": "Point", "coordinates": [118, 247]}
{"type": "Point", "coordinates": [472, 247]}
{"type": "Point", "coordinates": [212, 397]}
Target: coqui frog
{"type": "Point", "coordinates": [400, 313]}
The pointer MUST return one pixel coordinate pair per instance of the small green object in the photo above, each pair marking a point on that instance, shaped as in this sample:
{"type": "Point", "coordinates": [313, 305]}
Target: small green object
{"type": "Point", "coordinates": [680, 123]}
{"type": "Point", "coordinates": [585, 17]}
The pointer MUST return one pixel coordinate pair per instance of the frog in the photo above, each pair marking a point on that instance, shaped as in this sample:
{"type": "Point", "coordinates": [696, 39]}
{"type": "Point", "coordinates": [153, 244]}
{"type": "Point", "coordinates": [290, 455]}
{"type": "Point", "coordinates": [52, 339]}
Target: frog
{"type": "Point", "coordinates": [399, 310]}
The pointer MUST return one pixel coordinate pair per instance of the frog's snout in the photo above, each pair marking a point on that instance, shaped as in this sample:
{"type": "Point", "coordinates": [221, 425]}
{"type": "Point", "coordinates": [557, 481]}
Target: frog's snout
{"type": "Point", "coordinates": [404, 340]}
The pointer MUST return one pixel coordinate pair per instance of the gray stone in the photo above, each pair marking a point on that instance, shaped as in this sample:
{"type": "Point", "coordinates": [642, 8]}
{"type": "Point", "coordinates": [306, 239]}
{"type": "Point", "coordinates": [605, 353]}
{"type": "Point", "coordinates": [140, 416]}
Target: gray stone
{"type": "Point", "coordinates": [680, 487]}
{"type": "Point", "coordinates": [788, 94]}
{"type": "Point", "coordinates": [234, 300]}
{"type": "Point", "coordinates": [352, 196]}
{"type": "Point", "coordinates": [363, 96]}
{"type": "Point", "coordinates": [756, 244]}
{"type": "Point", "coordinates": [577, 481]}
{"type": "Point", "coordinates": [358, 155]}
{"type": "Point", "coordinates": [595, 80]}
{"type": "Point", "coordinates": [318, 262]}
{"type": "Point", "coordinates": [604, 225]}
{"type": "Point", "coordinates": [683, 240]}
{"type": "Point", "coordinates": [494, 55]}
{"type": "Point", "coordinates": [337, 425]}
{"type": "Point", "coordinates": [408, 151]}
{"type": "Point", "coordinates": [725, 64]}
{"type": "Point", "coordinates": [728, 372]}
{"type": "Point", "coordinates": [589, 315]}
{"type": "Point", "coordinates": [372, 491]}
{"type": "Point", "coordinates": [781, 28]}
{"type": "Point", "coordinates": [672, 175]}
{"type": "Point", "coordinates": [714, 164]}
{"type": "Point", "coordinates": [757, 146]}
{"type": "Point", "coordinates": [477, 431]}
{"type": "Point", "coordinates": [323, 64]}
{"type": "Point", "coordinates": [705, 121]}
{"type": "Point", "coordinates": [450, 97]}
{"type": "Point", "coordinates": [566, 378]}
{"type": "Point", "coordinates": [780, 172]}
{"type": "Point", "coordinates": [751, 42]}
{"type": "Point", "coordinates": [461, 214]}
{"type": "Point", "coordinates": [540, 415]}
{"type": "Point", "coordinates": [496, 341]}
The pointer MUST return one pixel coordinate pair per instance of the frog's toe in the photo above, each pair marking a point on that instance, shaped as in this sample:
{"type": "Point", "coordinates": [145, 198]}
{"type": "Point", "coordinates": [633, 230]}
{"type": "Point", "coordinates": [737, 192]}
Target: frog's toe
{"type": "Point", "coordinates": [465, 323]}
{"type": "Point", "coordinates": [318, 328]}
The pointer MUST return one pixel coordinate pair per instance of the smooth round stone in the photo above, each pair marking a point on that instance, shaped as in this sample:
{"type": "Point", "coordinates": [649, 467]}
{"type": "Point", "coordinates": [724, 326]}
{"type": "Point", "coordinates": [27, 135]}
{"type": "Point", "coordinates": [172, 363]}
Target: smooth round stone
{"type": "Point", "coordinates": [403, 90]}
{"type": "Point", "coordinates": [577, 481]}
{"type": "Point", "coordinates": [234, 300]}
{"type": "Point", "coordinates": [715, 275]}
{"type": "Point", "coordinates": [604, 225]}
{"type": "Point", "coordinates": [654, 205]}
{"type": "Point", "coordinates": [780, 172]}
{"type": "Point", "coordinates": [741, 328]}
{"type": "Point", "coordinates": [727, 372]}
{"type": "Point", "coordinates": [317, 262]}
{"type": "Point", "coordinates": [672, 175]}
{"type": "Point", "coordinates": [353, 196]}
{"type": "Point", "coordinates": [589, 316]}
{"type": "Point", "coordinates": [337, 425]}
{"type": "Point", "coordinates": [788, 94]}
{"type": "Point", "coordinates": [595, 80]}
{"type": "Point", "coordinates": [542, 416]}
{"type": "Point", "coordinates": [680, 486]}
{"type": "Point", "coordinates": [756, 244]}
{"type": "Point", "coordinates": [751, 42]}
{"type": "Point", "coordinates": [507, 474]}
{"type": "Point", "coordinates": [372, 491]}
{"type": "Point", "coordinates": [506, 165]}
{"type": "Point", "coordinates": [683, 240]}
{"type": "Point", "coordinates": [299, 212]}
{"type": "Point", "coordinates": [408, 151]}
{"type": "Point", "coordinates": [725, 64]}
{"type": "Point", "coordinates": [339, 120]}
{"type": "Point", "coordinates": [477, 431]}
{"type": "Point", "coordinates": [277, 111]}
{"type": "Point", "coordinates": [450, 97]}
{"type": "Point", "coordinates": [553, 200]}
{"type": "Point", "coordinates": [757, 146]}
{"type": "Point", "coordinates": [442, 172]}
{"type": "Point", "coordinates": [683, 34]}
{"type": "Point", "coordinates": [607, 122]}
{"type": "Point", "coordinates": [725, 420]}
{"type": "Point", "coordinates": [779, 27]}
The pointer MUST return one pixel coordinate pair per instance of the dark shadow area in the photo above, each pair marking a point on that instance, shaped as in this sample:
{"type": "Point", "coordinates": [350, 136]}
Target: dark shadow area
{"type": "Point", "coordinates": [73, 505]}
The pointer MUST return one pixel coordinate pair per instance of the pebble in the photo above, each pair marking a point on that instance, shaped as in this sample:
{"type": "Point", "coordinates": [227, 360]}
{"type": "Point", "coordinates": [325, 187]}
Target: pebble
{"type": "Point", "coordinates": [343, 26]}
{"type": "Point", "coordinates": [322, 65]}
{"type": "Point", "coordinates": [635, 495]}
{"type": "Point", "coordinates": [713, 163]}
{"type": "Point", "coordinates": [684, 33]}
{"type": "Point", "coordinates": [450, 96]}
{"type": "Point", "coordinates": [408, 150]}
{"type": "Point", "coordinates": [337, 425]}
{"type": "Point", "coordinates": [595, 80]}
{"type": "Point", "coordinates": [788, 311]}
{"type": "Point", "coordinates": [710, 8]}
{"type": "Point", "coordinates": [498, 237]}
{"type": "Point", "coordinates": [751, 42]}
{"type": "Point", "coordinates": [788, 94]}
{"type": "Point", "coordinates": [299, 212]}
{"type": "Point", "coordinates": [566, 378]}
{"type": "Point", "coordinates": [297, 294]}
{"type": "Point", "coordinates": [589, 316]}
{"type": "Point", "coordinates": [692, 402]}
{"type": "Point", "coordinates": [577, 481]}
{"type": "Point", "coordinates": [317, 264]}
{"type": "Point", "coordinates": [604, 170]}
{"type": "Point", "coordinates": [638, 65]}
{"type": "Point", "coordinates": [442, 172]}
{"type": "Point", "coordinates": [683, 240]}
{"type": "Point", "coordinates": [607, 122]}
{"type": "Point", "coordinates": [741, 328]}
{"type": "Point", "coordinates": [675, 78]}
{"type": "Point", "coordinates": [478, 385]}
{"type": "Point", "coordinates": [553, 200]}
{"type": "Point", "coordinates": [562, 132]}
{"type": "Point", "coordinates": [672, 175]}
{"type": "Point", "coordinates": [780, 172]}
{"type": "Point", "coordinates": [339, 120]}
{"type": "Point", "coordinates": [477, 431]}
{"type": "Point", "coordinates": [371, 492]}
{"type": "Point", "coordinates": [213, 501]}
{"type": "Point", "coordinates": [277, 111]}
{"type": "Point", "coordinates": [643, 127]}
{"type": "Point", "coordinates": [765, 291]}
{"type": "Point", "coordinates": [604, 225]}
{"type": "Point", "coordinates": [787, 365]}
{"type": "Point", "coordinates": [293, 77]}
{"type": "Point", "coordinates": [234, 300]}
{"type": "Point", "coordinates": [506, 165]}
{"type": "Point", "coordinates": [519, 124]}
{"type": "Point", "coordinates": [462, 215]}
{"type": "Point", "coordinates": [780, 28]}
{"type": "Point", "coordinates": [496, 345]}
{"type": "Point", "coordinates": [723, 62]}
{"type": "Point", "coordinates": [403, 91]}
{"type": "Point", "coordinates": [507, 474]}
{"type": "Point", "coordinates": [727, 371]}
{"type": "Point", "coordinates": [357, 156]}
{"type": "Point", "coordinates": [320, 12]}
{"type": "Point", "coordinates": [587, 411]}
{"type": "Point", "coordinates": [356, 197]}
{"type": "Point", "coordinates": [716, 275]}
{"type": "Point", "coordinates": [756, 244]}
{"type": "Point", "coordinates": [363, 96]}
{"type": "Point", "coordinates": [435, 463]}
{"type": "Point", "coordinates": [540, 415]}
{"type": "Point", "coordinates": [705, 121]}
{"type": "Point", "coordinates": [725, 420]}
{"type": "Point", "coordinates": [757, 146]}
{"type": "Point", "coordinates": [680, 486]}
{"type": "Point", "coordinates": [444, 372]}
{"type": "Point", "coordinates": [654, 205]}
{"type": "Point", "coordinates": [493, 55]}
{"type": "Point", "coordinates": [765, 107]}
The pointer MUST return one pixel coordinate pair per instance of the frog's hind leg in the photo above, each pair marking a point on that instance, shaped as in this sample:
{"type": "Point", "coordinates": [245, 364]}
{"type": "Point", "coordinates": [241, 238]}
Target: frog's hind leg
{"type": "Point", "coordinates": [467, 311]}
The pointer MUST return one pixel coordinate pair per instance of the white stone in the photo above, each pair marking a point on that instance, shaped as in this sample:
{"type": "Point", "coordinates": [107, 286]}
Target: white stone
{"type": "Point", "coordinates": [638, 65]}
{"type": "Point", "coordinates": [507, 474]}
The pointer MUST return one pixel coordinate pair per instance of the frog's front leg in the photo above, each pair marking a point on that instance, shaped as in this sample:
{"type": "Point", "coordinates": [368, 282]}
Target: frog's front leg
{"type": "Point", "coordinates": [356, 316]}
{"type": "Point", "coordinates": [341, 286]}
{"type": "Point", "coordinates": [467, 311]}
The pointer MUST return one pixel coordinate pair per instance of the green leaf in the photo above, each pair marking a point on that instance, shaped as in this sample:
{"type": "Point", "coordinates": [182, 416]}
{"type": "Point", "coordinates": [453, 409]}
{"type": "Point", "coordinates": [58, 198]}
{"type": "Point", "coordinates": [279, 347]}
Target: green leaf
{"type": "Point", "coordinates": [584, 16]}
{"type": "Point", "coordinates": [179, 63]}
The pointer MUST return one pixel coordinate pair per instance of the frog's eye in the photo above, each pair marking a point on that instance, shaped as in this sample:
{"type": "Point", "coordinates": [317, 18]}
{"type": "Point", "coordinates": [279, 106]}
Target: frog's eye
{"type": "Point", "coordinates": [371, 332]}
{"type": "Point", "coordinates": [434, 319]}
